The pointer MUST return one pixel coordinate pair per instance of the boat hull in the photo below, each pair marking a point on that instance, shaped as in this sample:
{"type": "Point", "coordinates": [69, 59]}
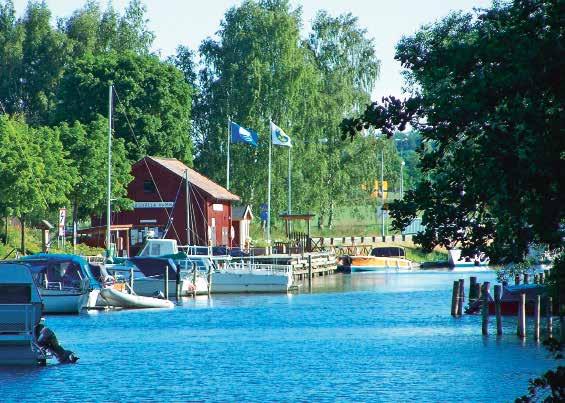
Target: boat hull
{"type": "Point", "coordinates": [64, 301]}
{"type": "Point", "coordinates": [379, 264]}
{"type": "Point", "coordinates": [148, 287]}
{"type": "Point", "coordinates": [124, 300]}
{"type": "Point", "coordinates": [250, 282]}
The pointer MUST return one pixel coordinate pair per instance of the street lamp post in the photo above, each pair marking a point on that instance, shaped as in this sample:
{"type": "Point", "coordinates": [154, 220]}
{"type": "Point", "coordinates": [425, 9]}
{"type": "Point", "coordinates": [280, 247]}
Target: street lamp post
{"type": "Point", "coordinates": [402, 163]}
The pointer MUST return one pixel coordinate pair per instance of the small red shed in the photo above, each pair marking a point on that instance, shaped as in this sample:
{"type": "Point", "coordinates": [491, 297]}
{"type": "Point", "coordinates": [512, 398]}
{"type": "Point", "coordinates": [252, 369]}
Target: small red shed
{"type": "Point", "coordinates": [159, 192]}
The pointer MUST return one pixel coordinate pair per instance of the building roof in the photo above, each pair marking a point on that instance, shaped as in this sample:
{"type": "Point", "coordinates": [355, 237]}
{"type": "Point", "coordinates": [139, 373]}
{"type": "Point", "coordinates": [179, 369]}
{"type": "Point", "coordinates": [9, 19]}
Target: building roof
{"type": "Point", "coordinates": [240, 212]}
{"type": "Point", "coordinates": [200, 181]}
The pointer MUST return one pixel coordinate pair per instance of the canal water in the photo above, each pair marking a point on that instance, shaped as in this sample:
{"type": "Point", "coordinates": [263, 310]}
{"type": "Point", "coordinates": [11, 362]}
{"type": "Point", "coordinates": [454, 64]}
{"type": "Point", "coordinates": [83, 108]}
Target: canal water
{"type": "Point", "coordinates": [359, 337]}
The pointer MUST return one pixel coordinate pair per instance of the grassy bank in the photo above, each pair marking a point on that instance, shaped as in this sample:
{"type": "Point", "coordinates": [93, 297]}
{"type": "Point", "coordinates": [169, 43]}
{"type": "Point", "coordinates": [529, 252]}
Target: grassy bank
{"type": "Point", "coordinates": [33, 243]}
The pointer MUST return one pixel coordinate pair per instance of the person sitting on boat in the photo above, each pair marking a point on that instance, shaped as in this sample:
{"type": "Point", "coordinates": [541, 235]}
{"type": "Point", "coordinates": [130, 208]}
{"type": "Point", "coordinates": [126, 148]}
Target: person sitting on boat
{"type": "Point", "coordinates": [47, 340]}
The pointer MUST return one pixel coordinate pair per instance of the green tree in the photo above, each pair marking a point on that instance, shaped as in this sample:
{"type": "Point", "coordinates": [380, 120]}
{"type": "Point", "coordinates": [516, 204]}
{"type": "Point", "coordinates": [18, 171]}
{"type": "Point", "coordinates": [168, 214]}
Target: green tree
{"type": "Point", "coordinates": [35, 174]}
{"type": "Point", "coordinates": [152, 96]}
{"type": "Point", "coordinates": [488, 101]}
{"type": "Point", "coordinates": [255, 71]}
{"type": "Point", "coordinates": [87, 147]}
{"type": "Point", "coordinates": [348, 66]}
{"type": "Point", "coordinates": [92, 31]}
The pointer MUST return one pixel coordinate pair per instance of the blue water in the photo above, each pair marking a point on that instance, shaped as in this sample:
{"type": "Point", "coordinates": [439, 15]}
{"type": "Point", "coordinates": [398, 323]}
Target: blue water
{"type": "Point", "coordinates": [360, 337]}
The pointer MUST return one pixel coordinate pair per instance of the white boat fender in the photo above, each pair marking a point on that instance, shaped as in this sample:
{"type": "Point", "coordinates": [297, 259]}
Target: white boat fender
{"type": "Point", "coordinates": [48, 341]}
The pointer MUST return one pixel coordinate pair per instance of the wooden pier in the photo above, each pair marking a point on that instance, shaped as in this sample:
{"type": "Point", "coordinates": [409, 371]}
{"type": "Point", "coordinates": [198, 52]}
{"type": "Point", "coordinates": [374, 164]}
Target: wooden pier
{"type": "Point", "coordinates": [316, 264]}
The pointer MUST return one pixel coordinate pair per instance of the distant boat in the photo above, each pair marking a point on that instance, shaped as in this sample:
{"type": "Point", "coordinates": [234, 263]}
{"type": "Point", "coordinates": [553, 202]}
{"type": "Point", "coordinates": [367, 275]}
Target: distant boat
{"type": "Point", "coordinates": [64, 281]}
{"type": "Point", "coordinates": [457, 260]}
{"type": "Point", "coordinates": [382, 259]}
{"type": "Point", "coordinates": [20, 313]}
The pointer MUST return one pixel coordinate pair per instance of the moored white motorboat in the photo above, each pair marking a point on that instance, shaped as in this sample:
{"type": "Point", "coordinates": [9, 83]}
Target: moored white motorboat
{"type": "Point", "coordinates": [118, 298]}
{"type": "Point", "coordinates": [64, 282]}
{"type": "Point", "coordinates": [245, 277]}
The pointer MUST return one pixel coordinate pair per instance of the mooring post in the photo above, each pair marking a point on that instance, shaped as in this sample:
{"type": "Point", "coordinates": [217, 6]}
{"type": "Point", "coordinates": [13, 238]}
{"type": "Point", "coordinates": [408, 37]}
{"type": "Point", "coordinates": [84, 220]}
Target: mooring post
{"type": "Point", "coordinates": [177, 283]}
{"type": "Point", "coordinates": [478, 291]}
{"type": "Point", "coordinates": [537, 309]}
{"type": "Point", "coordinates": [526, 278]}
{"type": "Point", "coordinates": [454, 298]}
{"type": "Point", "coordinates": [497, 307]}
{"type": "Point", "coordinates": [517, 279]}
{"type": "Point", "coordinates": [166, 282]}
{"type": "Point", "coordinates": [194, 279]}
{"type": "Point", "coordinates": [310, 271]}
{"type": "Point", "coordinates": [522, 316]}
{"type": "Point", "coordinates": [472, 283]}
{"type": "Point", "coordinates": [484, 307]}
{"type": "Point", "coordinates": [549, 316]}
{"type": "Point", "coordinates": [209, 278]}
{"type": "Point", "coordinates": [461, 297]}
{"type": "Point", "coordinates": [131, 280]}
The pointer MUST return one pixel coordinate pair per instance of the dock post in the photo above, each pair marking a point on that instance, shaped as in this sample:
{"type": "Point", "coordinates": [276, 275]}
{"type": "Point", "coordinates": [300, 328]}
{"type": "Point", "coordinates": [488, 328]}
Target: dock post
{"type": "Point", "coordinates": [549, 316]}
{"type": "Point", "coordinates": [478, 291]}
{"type": "Point", "coordinates": [537, 308]}
{"type": "Point", "coordinates": [166, 282]}
{"type": "Point", "coordinates": [536, 279]}
{"type": "Point", "coordinates": [522, 316]}
{"type": "Point", "coordinates": [194, 279]}
{"type": "Point", "coordinates": [472, 283]}
{"type": "Point", "coordinates": [541, 278]}
{"type": "Point", "coordinates": [209, 278]}
{"type": "Point", "coordinates": [484, 307]}
{"type": "Point", "coordinates": [131, 280]}
{"type": "Point", "coordinates": [497, 306]}
{"type": "Point", "coordinates": [461, 297]}
{"type": "Point", "coordinates": [517, 279]}
{"type": "Point", "coordinates": [454, 298]}
{"type": "Point", "coordinates": [526, 278]}
{"type": "Point", "coordinates": [310, 271]}
{"type": "Point", "coordinates": [177, 284]}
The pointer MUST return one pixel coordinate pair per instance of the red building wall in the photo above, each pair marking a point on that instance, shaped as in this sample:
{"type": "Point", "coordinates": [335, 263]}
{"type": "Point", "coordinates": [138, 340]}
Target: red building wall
{"type": "Point", "coordinates": [205, 210]}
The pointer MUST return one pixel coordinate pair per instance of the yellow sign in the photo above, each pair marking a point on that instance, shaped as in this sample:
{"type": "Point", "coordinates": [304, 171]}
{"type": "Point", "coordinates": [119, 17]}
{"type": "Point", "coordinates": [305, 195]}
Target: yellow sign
{"type": "Point", "coordinates": [377, 191]}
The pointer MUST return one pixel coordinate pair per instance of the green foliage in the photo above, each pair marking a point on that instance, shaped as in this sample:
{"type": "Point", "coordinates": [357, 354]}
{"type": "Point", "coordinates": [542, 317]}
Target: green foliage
{"type": "Point", "coordinates": [87, 145]}
{"type": "Point", "coordinates": [35, 173]}
{"type": "Point", "coordinates": [259, 69]}
{"type": "Point", "coordinates": [488, 102]}
{"type": "Point", "coordinates": [152, 96]}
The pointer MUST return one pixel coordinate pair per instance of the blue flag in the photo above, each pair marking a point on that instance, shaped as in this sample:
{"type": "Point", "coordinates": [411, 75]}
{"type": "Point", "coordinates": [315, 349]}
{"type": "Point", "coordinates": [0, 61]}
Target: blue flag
{"type": "Point", "coordinates": [239, 134]}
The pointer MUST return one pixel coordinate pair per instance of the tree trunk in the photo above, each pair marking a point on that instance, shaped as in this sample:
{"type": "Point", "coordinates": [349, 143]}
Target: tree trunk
{"type": "Point", "coordinates": [6, 230]}
{"type": "Point", "coordinates": [321, 221]}
{"type": "Point", "coordinates": [23, 236]}
{"type": "Point", "coordinates": [331, 216]}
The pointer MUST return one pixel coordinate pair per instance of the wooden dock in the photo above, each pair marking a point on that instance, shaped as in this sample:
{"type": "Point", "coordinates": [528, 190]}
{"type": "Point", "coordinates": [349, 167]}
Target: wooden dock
{"type": "Point", "coordinates": [316, 264]}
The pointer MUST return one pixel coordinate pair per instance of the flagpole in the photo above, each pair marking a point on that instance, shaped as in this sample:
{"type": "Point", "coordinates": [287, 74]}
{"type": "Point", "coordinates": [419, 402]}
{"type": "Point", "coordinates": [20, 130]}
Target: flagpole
{"type": "Point", "coordinates": [382, 192]}
{"type": "Point", "coordinates": [228, 159]}
{"type": "Point", "coordinates": [289, 180]}
{"type": "Point", "coordinates": [269, 187]}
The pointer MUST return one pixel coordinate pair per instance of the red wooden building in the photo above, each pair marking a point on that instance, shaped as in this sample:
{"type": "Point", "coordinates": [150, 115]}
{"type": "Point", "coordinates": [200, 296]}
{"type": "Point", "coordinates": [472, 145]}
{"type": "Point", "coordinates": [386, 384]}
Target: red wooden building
{"type": "Point", "coordinates": [159, 193]}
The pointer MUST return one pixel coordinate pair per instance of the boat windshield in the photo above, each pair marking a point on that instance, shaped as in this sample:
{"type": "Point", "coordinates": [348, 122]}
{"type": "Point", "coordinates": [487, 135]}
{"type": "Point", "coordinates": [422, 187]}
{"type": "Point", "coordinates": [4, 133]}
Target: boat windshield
{"type": "Point", "coordinates": [389, 251]}
{"type": "Point", "coordinates": [58, 274]}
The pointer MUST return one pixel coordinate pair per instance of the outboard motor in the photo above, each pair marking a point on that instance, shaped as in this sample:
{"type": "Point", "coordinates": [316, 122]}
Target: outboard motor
{"type": "Point", "coordinates": [48, 341]}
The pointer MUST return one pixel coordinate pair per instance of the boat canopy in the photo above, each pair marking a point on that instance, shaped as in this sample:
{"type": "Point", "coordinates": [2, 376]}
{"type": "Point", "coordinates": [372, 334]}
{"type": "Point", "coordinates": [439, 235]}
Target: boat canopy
{"type": "Point", "coordinates": [61, 267]}
{"type": "Point", "coordinates": [388, 251]}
